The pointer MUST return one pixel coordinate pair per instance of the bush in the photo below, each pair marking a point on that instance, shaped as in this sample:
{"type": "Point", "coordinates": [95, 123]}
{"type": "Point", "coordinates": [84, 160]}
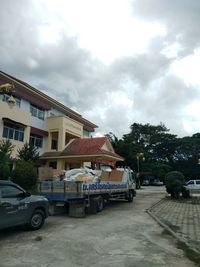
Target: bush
{"type": "Point", "coordinates": [25, 174]}
{"type": "Point", "coordinates": [174, 182]}
{"type": "Point", "coordinates": [4, 169]}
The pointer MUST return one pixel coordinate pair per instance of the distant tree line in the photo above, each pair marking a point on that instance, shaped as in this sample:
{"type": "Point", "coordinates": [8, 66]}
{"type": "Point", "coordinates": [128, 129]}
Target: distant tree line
{"type": "Point", "coordinates": [163, 152]}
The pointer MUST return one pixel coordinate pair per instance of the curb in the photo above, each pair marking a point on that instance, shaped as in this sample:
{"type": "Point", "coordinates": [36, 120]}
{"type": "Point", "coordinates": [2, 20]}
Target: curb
{"type": "Point", "coordinates": [169, 230]}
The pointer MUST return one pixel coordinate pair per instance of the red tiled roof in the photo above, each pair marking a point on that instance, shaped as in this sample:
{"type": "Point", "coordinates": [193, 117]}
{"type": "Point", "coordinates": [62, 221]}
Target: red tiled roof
{"type": "Point", "coordinates": [86, 147]}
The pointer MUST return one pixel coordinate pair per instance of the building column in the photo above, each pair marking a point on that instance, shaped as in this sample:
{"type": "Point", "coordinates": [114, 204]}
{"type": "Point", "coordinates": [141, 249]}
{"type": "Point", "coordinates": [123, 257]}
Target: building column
{"type": "Point", "coordinates": [61, 139]}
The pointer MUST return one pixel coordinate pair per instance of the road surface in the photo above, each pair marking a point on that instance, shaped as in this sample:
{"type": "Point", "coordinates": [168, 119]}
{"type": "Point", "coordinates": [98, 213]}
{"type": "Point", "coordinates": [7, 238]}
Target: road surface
{"type": "Point", "coordinates": [123, 234]}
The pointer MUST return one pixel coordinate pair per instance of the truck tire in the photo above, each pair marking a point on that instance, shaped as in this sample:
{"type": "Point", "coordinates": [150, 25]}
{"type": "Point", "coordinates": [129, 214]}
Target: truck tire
{"type": "Point", "coordinates": [100, 204]}
{"type": "Point", "coordinates": [130, 196]}
{"type": "Point", "coordinates": [37, 220]}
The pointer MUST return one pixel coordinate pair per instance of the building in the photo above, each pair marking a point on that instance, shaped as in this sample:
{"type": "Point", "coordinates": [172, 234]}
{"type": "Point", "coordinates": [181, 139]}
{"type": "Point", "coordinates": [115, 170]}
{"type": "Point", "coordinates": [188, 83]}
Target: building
{"type": "Point", "coordinates": [62, 136]}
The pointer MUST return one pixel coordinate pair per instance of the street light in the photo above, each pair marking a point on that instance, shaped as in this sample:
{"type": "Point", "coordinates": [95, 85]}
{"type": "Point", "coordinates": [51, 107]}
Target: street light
{"type": "Point", "coordinates": [139, 156]}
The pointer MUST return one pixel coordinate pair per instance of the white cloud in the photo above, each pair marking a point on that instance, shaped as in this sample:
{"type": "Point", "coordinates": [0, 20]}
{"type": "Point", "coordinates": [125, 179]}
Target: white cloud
{"type": "Point", "coordinates": [115, 62]}
{"type": "Point", "coordinates": [188, 68]}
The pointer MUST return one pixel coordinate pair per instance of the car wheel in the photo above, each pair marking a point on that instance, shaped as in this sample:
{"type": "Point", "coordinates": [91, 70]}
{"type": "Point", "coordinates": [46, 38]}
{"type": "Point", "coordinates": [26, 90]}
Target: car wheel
{"type": "Point", "coordinates": [37, 220]}
{"type": "Point", "coordinates": [130, 196]}
{"type": "Point", "coordinates": [100, 204]}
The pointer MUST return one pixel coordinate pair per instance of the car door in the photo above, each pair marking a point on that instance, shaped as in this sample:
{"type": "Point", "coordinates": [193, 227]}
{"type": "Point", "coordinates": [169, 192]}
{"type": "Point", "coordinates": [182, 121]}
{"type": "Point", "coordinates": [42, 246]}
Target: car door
{"type": "Point", "coordinates": [198, 184]}
{"type": "Point", "coordinates": [190, 184]}
{"type": "Point", "coordinates": [12, 206]}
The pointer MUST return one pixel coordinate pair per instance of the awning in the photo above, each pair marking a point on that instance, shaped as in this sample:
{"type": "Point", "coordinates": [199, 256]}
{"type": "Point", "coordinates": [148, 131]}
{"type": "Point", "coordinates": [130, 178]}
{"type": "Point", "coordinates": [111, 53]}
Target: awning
{"type": "Point", "coordinates": [39, 131]}
{"type": "Point", "coordinates": [14, 122]}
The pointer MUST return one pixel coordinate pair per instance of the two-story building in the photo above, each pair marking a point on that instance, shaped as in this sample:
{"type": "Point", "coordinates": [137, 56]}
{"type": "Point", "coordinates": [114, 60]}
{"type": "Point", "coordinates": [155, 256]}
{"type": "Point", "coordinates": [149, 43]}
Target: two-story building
{"type": "Point", "coordinates": [62, 136]}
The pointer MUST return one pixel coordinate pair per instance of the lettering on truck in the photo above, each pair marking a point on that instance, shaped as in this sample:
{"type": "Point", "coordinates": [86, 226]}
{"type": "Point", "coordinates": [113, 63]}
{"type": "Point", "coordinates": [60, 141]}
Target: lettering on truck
{"type": "Point", "coordinates": [100, 186]}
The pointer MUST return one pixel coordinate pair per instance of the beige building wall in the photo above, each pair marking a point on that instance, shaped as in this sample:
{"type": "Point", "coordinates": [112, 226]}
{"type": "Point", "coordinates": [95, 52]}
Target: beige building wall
{"type": "Point", "coordinates": [63, 127]}
{"type": "Point", "coordinates": [16, 114]}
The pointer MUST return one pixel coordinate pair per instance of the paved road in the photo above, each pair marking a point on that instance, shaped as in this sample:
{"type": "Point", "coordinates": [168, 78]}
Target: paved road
{"type": "Point", "coordinates": [122, 235]}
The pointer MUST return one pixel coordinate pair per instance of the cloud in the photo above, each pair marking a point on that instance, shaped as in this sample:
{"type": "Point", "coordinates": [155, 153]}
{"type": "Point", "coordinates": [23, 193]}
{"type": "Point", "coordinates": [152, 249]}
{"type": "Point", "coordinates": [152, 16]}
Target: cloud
{"type": "Point", "coordinates": [143, 68]}
{"type": "Point", "coordinates": [36, 47]}
{"type": "Point", "coordinates": [180, 17]}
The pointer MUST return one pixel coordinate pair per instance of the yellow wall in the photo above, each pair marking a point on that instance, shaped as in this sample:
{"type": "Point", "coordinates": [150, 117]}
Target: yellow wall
{"type": "Point", "coordinates": [16, 114]}
{"type": "Point", "coordinates": [62, 125]}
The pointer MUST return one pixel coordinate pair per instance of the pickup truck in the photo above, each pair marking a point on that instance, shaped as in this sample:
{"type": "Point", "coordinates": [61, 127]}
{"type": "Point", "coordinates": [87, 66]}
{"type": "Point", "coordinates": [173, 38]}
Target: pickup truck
{"type": "Point", "coordinates": [18, 207]}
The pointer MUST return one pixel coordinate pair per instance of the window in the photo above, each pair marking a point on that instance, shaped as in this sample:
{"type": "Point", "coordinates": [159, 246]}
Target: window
{"type": "Point", "coordinates": [12, 131]}
{"type": "Point", "coordinates": [86, 133]}
{"type": "Point", "coordinates": [37, 112]}
{"type": "Point", "coordinates": [36, 140]}
{"type": "Point", "coordinates": [53, 164]}
{"type": "Point", "coordinates": [54, 144]}
{"type": "Point", "coordinates": [198, 182]}
{"type": "Point", "coordinates": [190, 182]}
{"type": "Point", "coordinates": [17, 100]}
{"type": "Point", "coordinates": [9, 191]}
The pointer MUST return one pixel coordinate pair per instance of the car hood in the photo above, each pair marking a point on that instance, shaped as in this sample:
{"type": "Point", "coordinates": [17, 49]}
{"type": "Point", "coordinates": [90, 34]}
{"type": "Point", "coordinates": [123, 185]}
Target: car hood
{"type": "Point", "coordinates": [37, 198]}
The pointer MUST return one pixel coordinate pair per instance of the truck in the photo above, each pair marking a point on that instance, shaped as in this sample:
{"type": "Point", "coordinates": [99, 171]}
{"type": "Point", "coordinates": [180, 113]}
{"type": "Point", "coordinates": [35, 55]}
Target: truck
{"type": "Point", "coordinates": [89, 195]}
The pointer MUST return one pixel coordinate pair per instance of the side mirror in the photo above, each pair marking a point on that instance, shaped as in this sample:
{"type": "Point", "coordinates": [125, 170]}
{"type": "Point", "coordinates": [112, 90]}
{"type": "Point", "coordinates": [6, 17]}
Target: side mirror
{"type": "Point", "coordinates": [28, 194]}
{"type": "Point", "coordinates": [24, 194]}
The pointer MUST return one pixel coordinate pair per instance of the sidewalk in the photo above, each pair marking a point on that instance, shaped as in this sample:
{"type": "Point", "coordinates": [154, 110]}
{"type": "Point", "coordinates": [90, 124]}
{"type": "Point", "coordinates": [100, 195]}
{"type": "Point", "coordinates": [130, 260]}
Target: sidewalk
{"type": "Point", "coordinates": [182, 217]}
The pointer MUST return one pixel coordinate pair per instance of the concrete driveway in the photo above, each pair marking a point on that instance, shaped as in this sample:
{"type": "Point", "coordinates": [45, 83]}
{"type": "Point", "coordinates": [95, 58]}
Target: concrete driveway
{"type": "Point", "coordinates": [123, 234]}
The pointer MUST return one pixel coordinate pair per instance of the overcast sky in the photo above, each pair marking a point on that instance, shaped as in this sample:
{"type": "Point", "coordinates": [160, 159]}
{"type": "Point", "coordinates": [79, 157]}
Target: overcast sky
{"type": "Point", "coordinates": [116, 62]}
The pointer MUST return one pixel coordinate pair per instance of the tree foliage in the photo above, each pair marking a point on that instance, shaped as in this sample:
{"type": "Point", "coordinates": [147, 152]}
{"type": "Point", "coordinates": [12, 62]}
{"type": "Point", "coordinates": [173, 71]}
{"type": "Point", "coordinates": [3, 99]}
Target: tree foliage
{"type": "Point", "coordinates": [6, 149]}
{"type": "Point", "coordinates": [162, 150]}
{"type": "Point", "coordinates": [28, 153]}
{"type": "Point", "coordinates": [25, 174]}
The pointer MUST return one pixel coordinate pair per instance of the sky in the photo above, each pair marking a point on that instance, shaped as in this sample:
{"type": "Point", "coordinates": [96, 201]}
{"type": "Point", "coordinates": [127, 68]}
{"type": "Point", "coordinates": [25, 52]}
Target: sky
{"type": "Point", "coordinates": [116, 62]}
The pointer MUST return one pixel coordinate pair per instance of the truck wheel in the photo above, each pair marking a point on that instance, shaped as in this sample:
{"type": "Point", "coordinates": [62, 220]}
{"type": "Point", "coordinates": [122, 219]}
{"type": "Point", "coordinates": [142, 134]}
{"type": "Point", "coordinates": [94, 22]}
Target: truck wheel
{"type": "Point", "coordinates": [37, 220]}
{"type": "Point", "coordinates": [100, 204]}
{"type": "Point", "coordinates": [130, 196]}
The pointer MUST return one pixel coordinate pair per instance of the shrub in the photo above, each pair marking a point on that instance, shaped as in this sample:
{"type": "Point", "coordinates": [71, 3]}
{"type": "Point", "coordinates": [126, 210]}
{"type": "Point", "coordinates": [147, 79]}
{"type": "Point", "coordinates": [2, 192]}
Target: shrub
{"type": "Point", "coordinates": [4, 169]}
{"type": "Point", "coordinates": [174, 182]}
{"type": "Point", "coordinates": [6, 149]}
{"type": "Point", "coordinates": [25, 174]}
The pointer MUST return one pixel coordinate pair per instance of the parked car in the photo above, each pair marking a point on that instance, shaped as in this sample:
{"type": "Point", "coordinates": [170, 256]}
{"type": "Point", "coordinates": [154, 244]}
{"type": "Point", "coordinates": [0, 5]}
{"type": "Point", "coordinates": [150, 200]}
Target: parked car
{"type": "Point", "coordinates": [145, 182]}
{"type": "Point", "coordinates": [192, 184]}
{"type": "Point", "coordinates": [157, 182]}
{"type": "Point", "coordinates": [18, 207]}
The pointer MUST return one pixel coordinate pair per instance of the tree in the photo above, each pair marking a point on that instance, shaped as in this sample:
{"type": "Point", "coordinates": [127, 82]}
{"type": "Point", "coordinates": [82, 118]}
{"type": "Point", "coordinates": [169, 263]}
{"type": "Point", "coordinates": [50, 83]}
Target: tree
{"type": "Point", "coordinates": [28, 153]}
{"type": "Point", "coordinates": [25, 174]}
{"type": "Point", "coordinates": [162, 151]}
{"type": "Point", "coordinates": [159, 170]}
{"type": "Point", "coordinates": [153, 141]}
{"type": "Point", "coordinates": [6, 149]}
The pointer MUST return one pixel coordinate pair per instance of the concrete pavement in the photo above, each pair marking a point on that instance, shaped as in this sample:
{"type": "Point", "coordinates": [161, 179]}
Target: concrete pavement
{"type": "Point", "coordinates": [182, 217]}
{"type": "Point", "coordinates": [122, 235]}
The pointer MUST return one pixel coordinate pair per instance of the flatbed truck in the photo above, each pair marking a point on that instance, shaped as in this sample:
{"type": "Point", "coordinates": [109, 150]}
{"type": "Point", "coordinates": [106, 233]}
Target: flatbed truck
{"type": "Point", "coordinates": [80, 196]}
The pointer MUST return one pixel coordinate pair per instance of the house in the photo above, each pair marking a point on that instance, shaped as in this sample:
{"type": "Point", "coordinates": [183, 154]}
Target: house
{"type": "Point", "coordinates": [62, 136]}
